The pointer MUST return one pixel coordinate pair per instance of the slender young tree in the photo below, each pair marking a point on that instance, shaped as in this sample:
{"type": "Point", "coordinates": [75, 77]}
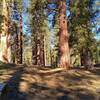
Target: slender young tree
{"type": "Point", "coordinates": [21, 42]}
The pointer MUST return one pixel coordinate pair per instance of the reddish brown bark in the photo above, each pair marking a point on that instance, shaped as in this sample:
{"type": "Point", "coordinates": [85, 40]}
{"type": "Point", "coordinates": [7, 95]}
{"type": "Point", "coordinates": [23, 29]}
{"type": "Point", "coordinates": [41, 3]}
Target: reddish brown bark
{"type": "Point", "coordinates": [16, 44]}
{"type": "Point", "coordinates": [63, 36]}
{"type": "Point", "coordinates": [38, 51]}
{"type": "Point", "coordinates": [21, 43]}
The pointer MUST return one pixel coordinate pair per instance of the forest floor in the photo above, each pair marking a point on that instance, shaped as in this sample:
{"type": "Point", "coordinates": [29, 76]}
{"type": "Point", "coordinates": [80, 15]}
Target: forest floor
{"type": "Point", "coordinates": [35, 83]}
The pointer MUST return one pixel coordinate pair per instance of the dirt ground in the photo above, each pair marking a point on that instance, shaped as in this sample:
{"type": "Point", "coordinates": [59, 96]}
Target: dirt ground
{"type": "Point", "coordinates": [34, 83]}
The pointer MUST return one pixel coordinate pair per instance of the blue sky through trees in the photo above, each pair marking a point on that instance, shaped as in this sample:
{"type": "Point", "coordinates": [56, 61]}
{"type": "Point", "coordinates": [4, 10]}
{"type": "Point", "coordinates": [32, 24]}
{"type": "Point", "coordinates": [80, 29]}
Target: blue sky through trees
{"type": "Point", "coordinates": [95, 9]}
{"type": "Point", "coordinates": [51, 15]}
{"type": "Point", "coordinates": [26, 17]}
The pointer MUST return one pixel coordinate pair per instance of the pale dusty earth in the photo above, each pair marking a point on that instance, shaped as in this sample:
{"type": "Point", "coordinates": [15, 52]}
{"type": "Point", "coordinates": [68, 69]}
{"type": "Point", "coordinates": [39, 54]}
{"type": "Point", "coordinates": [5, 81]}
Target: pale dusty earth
{"type": "Point", "coordinates": [35, 83]}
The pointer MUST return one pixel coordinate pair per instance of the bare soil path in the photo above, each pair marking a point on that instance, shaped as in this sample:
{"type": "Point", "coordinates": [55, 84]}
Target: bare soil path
{"type": "Point", "coordinates": [30, 83]}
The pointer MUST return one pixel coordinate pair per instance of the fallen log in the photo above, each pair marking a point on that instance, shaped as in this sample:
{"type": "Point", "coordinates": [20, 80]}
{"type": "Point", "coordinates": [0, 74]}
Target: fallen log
{"type": "Point", "coordinates": [52, 70]}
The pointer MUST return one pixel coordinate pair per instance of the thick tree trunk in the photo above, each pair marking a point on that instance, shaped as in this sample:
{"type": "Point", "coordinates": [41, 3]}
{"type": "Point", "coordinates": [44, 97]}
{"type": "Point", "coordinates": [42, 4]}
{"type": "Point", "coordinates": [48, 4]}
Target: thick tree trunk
{"type": "Point", "coordinates": [5, 52]}
{"type": "Point", "coordinates": [63, 36]}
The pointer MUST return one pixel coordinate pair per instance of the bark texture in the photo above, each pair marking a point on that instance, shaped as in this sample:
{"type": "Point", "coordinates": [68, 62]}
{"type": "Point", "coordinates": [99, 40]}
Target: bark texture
{"type": "Point", "coordinates": [63, 36]}
{"type": "Point", "coordinates": [21, 43]}
{"type": "Point", "coordinates": [86, 58]}
{"type": "Point", "coordinates": [5, 52]}
{"type": "Point", "coordinates": [38, 50]}
{"type": "Point", "coordinates": [16, 44]}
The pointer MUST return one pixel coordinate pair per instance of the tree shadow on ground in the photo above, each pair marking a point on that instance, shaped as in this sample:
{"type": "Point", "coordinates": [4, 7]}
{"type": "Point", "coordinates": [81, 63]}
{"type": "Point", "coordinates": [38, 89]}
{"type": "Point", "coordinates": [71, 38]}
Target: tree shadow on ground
{"type": "Point", "coordinates": [11, 91]}
{"type": "Point", "coordinates": [79, 94]}
{"type": "Point", "coordinates": [7, 66]}
{"type": "Point", "coordinates": [42, 92]}
{"type": "Point", "coordinates": [34, 84]}
{"type": "Point", "coordinates": [54, 88]}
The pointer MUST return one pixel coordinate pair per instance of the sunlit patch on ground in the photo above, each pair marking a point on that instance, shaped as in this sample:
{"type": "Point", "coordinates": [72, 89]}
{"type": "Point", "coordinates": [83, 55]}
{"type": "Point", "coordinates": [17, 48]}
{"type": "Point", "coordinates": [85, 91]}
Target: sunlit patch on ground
{"type": "Point", "coordinates": [28, 83]}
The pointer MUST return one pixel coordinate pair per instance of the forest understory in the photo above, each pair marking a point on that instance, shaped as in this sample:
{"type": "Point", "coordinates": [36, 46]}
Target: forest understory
{"type": "Point", "coordinates": [41, 83]}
